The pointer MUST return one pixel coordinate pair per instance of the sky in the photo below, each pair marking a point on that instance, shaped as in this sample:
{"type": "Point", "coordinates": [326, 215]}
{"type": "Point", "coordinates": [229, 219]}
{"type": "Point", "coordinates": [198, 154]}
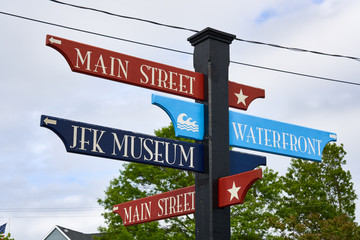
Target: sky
{"type": "Point", "coordinates": [42, 185]}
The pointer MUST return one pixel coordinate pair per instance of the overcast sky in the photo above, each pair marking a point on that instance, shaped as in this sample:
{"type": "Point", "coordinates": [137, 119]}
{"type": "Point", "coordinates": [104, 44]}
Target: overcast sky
{"type": "Point", "coordinates": [42, 185]}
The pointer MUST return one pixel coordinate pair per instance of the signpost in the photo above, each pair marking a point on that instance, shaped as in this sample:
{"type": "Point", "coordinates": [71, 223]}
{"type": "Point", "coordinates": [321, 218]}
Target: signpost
{"type": "Point", "coordinates": [211, 57]}
{"type": "Point", "coordinates": [232, 190]}
{"type": "Point", "coordinates": [208, 120]}
{"type": "Point", "coordinates": [123, 145]}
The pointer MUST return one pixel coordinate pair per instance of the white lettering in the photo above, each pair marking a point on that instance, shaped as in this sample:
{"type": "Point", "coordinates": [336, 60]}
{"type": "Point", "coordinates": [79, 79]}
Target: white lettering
{"type": "Point", "coordinates": [241, 132]}
{"type": "Point", "coordinates": [266, 137]}
{"type": "Point", "coordinates": [151, 155]}
{"type": "Point", "coordinates": [156, 153]}
{"type": "Point", "coordinates": [299, 144]}
{"type": "Point", "coordinates": [127, 215]}
{"type": "Point", "coordinates": [96, 146]}
{"type": "Point", "coordinates": [186, 156]}
{"type": "Point", "coordinates": [121, 68]}
{"type": "Point", "coordinates": [293, 143]}
{"type": "Point", "coordinates": [102, 65]}
{"type": "Point", "coordinates": [120, 146]}
{"type": "Point", "coordinates": [161, 208]}
{"type": "Point", "coordinates": [82, 60]}
{"type": "Point", "coordinates": [74, 136]}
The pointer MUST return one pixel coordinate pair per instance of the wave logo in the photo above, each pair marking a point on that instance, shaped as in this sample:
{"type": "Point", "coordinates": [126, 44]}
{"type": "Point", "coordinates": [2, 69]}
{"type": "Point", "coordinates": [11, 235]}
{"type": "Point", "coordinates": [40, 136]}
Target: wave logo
{"type": "Point", "coordinates": [187, 124]}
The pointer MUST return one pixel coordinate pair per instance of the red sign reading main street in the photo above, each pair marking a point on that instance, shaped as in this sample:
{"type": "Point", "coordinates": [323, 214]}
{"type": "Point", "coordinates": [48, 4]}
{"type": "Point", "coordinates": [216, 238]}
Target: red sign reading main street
{"type": "Point", "coordinates": [123, 68]}
{"type": "Point", "coordinates": [119, 67]}
{"type": "Point", "coordinates": [165, 205]}
{"type": "Point", "coordinates": [232, 190]}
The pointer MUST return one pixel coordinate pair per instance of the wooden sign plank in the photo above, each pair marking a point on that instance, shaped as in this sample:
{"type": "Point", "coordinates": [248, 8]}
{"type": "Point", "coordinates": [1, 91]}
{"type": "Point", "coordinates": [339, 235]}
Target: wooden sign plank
{"type": "Point", "coordinates": [247, 131]}
{"type": "Point", "coordinates": [165, 205]}
{"type": "Point", "coordinates": [240, 95]}
{"type": "Point", "coordinates": [93, 140]}
{"type": "Point", "coordinates": [123, 68]}
{"type": "Point", "coordinates": [182, 201]}
{"type": "Point", "coordinates": [186, 117]}
{"type": "Point", "coordinates": [99, 62]}
{"type": "Point", "coordinates": [275, 137]}
{"type": "Point", "coordinates": [233, 189]}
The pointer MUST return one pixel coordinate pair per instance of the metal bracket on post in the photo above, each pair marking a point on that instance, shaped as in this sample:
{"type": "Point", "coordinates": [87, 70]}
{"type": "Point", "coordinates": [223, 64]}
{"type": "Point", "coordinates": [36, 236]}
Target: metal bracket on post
{"type": "Point", "coordinates": [211, 57]}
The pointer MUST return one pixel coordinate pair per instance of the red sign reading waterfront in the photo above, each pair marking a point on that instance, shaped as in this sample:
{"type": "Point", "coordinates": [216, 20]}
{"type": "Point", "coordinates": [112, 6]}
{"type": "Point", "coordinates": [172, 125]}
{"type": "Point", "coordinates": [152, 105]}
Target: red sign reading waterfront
{"type": "Point", "coordinates": [232, 190]}
{"type": "Point", "coordinates": [119, 67]}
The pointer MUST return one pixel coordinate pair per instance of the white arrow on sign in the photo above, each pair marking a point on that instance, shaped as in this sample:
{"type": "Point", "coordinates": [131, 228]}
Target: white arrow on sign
{"type": "Point", "coordinates": [55, 41]}
{"type": "Point", "coordinates": [48, 121]}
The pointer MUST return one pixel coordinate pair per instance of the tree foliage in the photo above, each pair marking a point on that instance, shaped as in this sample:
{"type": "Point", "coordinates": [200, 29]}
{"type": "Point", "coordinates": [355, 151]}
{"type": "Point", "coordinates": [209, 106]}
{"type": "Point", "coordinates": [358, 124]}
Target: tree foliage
{"type": "Point", "coordinates": [137, 181]}
{"type": "Point", "coordinates": [312, 201]}
{"type": "Point", "coordinates": [315, 195]}
{"type": "Point", "coordinates": [7, 237]}
{"type": "Point", "coordinates": [250, 220]}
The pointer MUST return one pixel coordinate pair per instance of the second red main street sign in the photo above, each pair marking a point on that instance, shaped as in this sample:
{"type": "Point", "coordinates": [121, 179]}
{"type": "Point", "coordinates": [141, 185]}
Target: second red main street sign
{"type": "Point", "coordinates": [232, 190]}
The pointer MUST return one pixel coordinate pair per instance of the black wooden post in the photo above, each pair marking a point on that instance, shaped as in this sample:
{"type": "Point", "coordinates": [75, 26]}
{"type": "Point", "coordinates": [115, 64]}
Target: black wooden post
{"type": "Point", "coordinates": [211, 57]}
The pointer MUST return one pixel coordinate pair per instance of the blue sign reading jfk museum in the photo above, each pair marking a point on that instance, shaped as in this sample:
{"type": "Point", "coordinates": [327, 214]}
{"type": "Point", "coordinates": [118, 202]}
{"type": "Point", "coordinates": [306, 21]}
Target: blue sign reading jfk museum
{"type": "Point", "coordinates": [117, 144]}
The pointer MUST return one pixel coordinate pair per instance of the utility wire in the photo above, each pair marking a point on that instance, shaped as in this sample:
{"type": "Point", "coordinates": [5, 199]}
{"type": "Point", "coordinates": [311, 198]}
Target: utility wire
{"type": "Point", "coordinates": [175, 50]}
{"type": "Point", "coordinates": [193, 30]}
{"type": "Point", "coordinates": [94, 33]}
{"type": "Point", "coordinates": [22, 210]}
{"type": "Point", "coordinates": [295, 73]}
{"type": "Point", "coordinates": [127, 17]}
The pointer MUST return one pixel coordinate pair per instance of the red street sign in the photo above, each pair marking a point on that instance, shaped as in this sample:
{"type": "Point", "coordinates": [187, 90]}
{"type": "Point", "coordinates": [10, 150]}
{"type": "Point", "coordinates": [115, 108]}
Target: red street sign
{"type": "Point", "coordinates": [232, 190]}
{"type": "Point", "coordinates": [240, 96]}
{"type": "Point", "coordinates": [123, 68]}
{"type": "Point", "coordinates": [165, 205]}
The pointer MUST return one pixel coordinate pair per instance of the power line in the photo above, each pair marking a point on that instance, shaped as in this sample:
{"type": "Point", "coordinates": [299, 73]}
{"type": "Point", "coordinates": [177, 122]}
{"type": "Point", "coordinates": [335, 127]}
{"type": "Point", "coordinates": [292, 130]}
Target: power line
{"type": "Point", "coordinates": [22, 210]}
{"type": "Point", "coordinates": [55, 217]}
{"type": "Point", "coordinates": [295, 73]}
{"type": "Point", "coordinates": [127, 17]}
{"type": "Point", "coordinates": [93, 33]}
{"type": "Point", "coordinates": [193, 30]}
{"type": "Point", "coordinates": [175, 50]}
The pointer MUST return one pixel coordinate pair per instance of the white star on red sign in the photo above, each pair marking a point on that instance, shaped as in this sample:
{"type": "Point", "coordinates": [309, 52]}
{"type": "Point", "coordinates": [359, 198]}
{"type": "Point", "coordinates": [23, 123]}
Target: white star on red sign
{"type": "Point", "coordinates": [241, 97]}
{"type": "Point", "coordinates": [234, 191]}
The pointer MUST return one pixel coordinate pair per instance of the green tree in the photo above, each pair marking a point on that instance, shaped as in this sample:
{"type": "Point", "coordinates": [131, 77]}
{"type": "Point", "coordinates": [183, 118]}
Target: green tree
{"type": "Point", "coordinates": [314, 194]}
{"type": "Point", "coordinates": [7, 237]}
{"type": "Point", "coordinates": [312, 201]}
{"type": "Point", "coordinates": [138, 181]}
{"type": "Point", "coordinates": [251, 219]}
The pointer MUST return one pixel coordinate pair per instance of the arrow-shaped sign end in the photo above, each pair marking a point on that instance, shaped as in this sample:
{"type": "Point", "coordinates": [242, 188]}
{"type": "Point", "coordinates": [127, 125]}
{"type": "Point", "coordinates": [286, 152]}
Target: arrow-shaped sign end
{"type": "Point", "coordinates": [48, 121]}
{"type": "Point", "coordinates": [233, 189]}
{"type": "Point", "coordinates": [52, 40]}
